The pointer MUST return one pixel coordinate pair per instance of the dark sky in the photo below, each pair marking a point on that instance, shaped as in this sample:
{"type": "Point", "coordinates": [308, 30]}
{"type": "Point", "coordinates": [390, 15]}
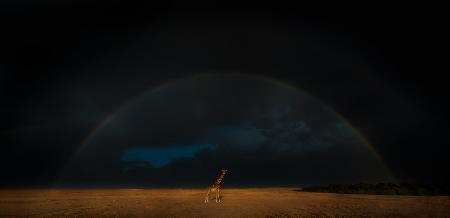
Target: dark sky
{"type": "Point", "coordinates": [65, 68]}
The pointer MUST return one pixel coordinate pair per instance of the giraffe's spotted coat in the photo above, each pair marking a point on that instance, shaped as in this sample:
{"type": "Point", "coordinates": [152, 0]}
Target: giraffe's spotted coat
{"type": "Point", "coordinates": [215, 187]}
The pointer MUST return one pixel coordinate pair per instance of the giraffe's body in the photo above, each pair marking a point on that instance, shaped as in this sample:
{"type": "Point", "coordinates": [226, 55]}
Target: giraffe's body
{"type": "Point", "coordinates": [215, 187]}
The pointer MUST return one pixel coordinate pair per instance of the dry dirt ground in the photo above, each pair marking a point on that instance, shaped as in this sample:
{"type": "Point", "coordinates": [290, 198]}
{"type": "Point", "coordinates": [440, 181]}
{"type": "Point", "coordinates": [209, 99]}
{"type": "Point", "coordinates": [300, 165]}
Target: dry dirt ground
{"type": "Point", "coordinates": [257, 202]}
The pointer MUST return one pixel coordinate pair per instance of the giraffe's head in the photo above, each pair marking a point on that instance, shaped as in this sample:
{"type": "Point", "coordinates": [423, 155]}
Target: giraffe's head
{"type": "Point", "coordinates": [224, 171]}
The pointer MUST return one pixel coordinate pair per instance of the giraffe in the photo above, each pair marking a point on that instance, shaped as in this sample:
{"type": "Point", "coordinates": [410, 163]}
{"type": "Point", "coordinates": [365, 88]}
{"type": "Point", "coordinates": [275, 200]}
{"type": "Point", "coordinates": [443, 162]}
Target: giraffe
{"type": "Point", "coordinates": [216, 186]}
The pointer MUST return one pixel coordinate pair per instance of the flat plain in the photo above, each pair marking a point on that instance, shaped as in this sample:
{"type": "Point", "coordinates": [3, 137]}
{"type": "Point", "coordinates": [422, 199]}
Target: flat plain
{"type": "Point", "coordinates": [248, 202]}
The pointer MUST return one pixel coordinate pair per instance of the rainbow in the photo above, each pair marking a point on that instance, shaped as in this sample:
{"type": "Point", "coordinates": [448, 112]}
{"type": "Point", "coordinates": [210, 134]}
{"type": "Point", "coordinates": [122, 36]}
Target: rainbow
{"type": "Point", "coordinates": [110, 117]}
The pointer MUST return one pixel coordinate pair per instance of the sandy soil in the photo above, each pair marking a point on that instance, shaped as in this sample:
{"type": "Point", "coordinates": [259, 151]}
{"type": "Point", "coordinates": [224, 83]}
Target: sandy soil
{"type": "Point", "coordinates": [267, 202]}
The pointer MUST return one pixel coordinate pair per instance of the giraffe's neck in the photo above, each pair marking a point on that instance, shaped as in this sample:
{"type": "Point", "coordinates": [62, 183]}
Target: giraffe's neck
{"type": "Point", "coordinates": [219, 179]}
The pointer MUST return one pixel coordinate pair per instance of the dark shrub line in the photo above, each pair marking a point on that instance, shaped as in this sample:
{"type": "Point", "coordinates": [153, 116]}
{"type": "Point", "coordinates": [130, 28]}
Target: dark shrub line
{"type": "Point", "coordinates": [383, 189]}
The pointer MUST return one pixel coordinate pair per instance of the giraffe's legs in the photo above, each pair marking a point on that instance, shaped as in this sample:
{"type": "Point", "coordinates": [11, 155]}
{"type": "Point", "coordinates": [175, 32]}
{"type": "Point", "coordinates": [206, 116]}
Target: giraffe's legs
{"type": "Point", "coordinates": [218, 195]}
{"type": "Point", "coordinates": [217, 191]}
{"type": "Point", "coordinates": [207, 195]}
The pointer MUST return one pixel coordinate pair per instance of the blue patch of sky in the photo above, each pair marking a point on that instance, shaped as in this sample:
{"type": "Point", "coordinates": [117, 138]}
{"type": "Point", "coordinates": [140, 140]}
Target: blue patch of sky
{"type": "Point", "coordinates": [161, 156]}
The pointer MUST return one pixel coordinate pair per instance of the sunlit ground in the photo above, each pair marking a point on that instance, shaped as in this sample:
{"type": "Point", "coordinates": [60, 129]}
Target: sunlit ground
{"type": "Point", "coordinates": [257, 202]}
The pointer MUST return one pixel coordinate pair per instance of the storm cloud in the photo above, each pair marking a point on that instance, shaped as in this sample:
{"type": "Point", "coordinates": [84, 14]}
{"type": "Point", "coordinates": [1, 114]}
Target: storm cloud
{"type": "Point", "coordinates": [84, 85]}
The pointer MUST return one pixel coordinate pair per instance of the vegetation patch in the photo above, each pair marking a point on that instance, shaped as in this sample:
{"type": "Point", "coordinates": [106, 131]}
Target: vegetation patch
{"type": "Point", "coordinates": [382, 189]}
